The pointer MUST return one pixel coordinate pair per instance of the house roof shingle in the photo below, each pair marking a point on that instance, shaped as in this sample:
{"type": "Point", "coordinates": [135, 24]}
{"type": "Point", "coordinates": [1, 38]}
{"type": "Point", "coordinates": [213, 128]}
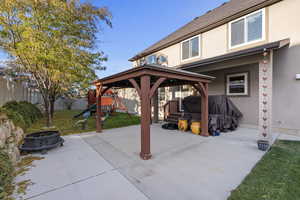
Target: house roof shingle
{"type": "Point", "coordinates": [216, 17]}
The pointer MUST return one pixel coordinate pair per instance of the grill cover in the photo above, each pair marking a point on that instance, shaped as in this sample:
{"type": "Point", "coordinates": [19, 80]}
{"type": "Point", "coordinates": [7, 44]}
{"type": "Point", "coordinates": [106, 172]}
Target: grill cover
{"type": "Point", "coordinates": [223, 114]}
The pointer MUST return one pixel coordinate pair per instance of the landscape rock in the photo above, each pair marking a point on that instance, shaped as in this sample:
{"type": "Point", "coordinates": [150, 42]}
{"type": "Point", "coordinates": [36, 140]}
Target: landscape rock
{"type": "Point", "coordinates": [10, 138]}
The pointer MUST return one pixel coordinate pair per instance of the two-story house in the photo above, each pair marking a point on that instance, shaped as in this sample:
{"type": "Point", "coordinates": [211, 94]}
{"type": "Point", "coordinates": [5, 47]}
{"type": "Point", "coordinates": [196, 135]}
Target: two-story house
{"type": "Point", "coordinates": [252, 47]}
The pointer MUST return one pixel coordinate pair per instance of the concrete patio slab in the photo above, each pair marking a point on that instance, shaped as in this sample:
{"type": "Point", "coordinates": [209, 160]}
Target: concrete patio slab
{"type": "Point", "coordinates": [74, 171]}
{"type": "Point", "coordinates": [184, 166]}
{"type": "Point", "coordinates": [107, 166]}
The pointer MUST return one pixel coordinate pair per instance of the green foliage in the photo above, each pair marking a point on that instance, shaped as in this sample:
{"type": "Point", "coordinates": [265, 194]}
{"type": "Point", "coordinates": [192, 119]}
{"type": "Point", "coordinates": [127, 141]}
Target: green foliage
{"type": "Point", "coordinates": [23, 114]}
{"type": "Point", "coordinates": [53, 41]}
{"type": "Point", "coordinates": [64, 122]}
{"type": "Point", "coordinates": [6, 176]}
{"type": "Point", "coordinates": [16, 117]}
{"type": "Point", "coordinates": [275, 177]}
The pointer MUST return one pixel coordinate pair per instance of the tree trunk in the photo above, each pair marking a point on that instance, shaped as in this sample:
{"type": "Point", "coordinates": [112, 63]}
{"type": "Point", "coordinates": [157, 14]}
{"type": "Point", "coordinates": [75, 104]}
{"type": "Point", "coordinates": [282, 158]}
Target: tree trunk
{"type": "Point", "coordinates": [52, 103]}
{"type": "Point", "coordinates": [47, 112]}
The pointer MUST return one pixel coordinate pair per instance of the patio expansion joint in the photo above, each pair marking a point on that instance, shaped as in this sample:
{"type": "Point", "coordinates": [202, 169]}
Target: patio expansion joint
{"type": "Point", "coordinates": [67, 185]}
{"type": "Point", "coordinates": [118, 169]}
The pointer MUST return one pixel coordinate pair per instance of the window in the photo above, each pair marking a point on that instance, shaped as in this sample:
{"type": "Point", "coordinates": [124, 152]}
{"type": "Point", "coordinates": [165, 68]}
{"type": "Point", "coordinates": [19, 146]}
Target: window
{"type": "Point", "coordinates": [248, 29]}
{"type": "Point", "coordinates": [162, 94]}
{"type": "Point", "coordinates": [181, 93]}
{"type": "Point", "coordinates": [237, 84]}
{"type": "Point", "coordinates": [157, 59]}
{"type": "Point", "coordinates": [151, 59]}
{"type": "Point", "coordinates": [190, 48]}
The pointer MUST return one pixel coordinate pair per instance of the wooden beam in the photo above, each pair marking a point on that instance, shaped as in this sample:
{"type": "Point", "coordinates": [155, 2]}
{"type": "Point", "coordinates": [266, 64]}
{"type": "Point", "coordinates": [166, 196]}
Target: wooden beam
{"type": "Point", "coordinates": [204, 111]}
{"type": "Point", "coordinates": [156, 85]}
{"type": "Point", "coordinates": [145, 118]}
{"type": "Point", "coordinates": [104, 90]}
{"type": "Point", "coordinates": [98, 105]}
{"type": "Point", "coordinates": [200, 88]}
{"type": "Point", "coordinates": [136, 86]}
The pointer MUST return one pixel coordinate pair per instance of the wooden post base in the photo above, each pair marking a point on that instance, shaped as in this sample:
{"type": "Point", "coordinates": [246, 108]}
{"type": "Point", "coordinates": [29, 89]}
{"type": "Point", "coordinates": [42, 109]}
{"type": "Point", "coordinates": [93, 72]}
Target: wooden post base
{"type": "Point", "coordinates": [145, 156]}
{"type": "Point", "coordinates": [204, 134]}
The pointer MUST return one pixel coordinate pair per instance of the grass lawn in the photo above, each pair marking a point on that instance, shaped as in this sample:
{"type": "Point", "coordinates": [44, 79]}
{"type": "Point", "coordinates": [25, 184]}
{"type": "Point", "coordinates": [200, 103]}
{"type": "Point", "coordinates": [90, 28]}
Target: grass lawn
{"type": "Point", "coordinates": [275, 177]}
{"type": "Point", "coordinates": [64, 122]}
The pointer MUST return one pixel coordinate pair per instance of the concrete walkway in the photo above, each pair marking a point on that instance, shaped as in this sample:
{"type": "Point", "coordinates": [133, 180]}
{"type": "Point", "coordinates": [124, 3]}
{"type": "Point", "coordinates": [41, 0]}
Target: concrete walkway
{"type": "Point", "coordinates": [107, 166]}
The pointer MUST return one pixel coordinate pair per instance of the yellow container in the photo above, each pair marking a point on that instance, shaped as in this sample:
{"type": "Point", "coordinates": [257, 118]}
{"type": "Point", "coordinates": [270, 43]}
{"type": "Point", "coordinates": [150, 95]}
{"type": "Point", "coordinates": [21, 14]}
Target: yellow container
{"type": "Point", "coordinates": [196, 127]}
{"type": "Point", "coordinates": [183, 124]}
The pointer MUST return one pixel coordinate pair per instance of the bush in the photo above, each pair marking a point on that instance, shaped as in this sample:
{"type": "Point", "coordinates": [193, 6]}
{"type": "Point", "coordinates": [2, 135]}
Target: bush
{"type": "Point", "coordinates": [6, 175]}
{"type": "Point", "coordinates": [22, 113]}
{"type": "Point", "coordinates": [14, 116]}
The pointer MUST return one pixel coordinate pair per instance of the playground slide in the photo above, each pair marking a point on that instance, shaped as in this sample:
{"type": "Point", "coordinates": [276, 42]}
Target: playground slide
{"type": "Point", "coordinates": [92, 108]}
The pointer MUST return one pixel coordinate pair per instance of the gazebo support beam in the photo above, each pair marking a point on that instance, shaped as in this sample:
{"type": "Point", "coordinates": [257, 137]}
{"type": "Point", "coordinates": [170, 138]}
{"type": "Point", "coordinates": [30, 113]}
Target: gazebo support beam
{"type": "Point", "coordinates": [98, 105]}
{"type": "Point", "coordinates": [202, 88]}
{"type": "Point", "coordinates": [136, 86]}
{"type": "Point", "coordinates": [99, 92]}
{"type": "Point", "coordinates": [204, 111]}
{"type": "Point", "coordinates": [145, 118]}
{"type": "Point", "coordinates": [156, 85]}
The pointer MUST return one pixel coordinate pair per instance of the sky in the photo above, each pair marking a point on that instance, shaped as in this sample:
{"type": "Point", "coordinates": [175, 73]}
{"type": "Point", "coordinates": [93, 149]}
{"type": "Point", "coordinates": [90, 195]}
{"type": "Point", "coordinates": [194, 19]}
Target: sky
{"type": "Point", "coordinates": [137, 24]}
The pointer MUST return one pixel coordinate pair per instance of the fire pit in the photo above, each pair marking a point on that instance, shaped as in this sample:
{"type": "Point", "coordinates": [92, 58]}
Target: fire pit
{"type": "Point", "coordinates": [42, 141]}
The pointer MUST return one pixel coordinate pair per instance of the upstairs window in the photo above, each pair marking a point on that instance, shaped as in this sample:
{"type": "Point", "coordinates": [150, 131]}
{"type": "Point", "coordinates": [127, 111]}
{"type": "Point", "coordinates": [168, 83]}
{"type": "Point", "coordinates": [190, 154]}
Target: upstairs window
{"type": "Point", "coordinates": [157, 59]}
{"type": "Point", "coordinates": [152, 59]}
{"type": "Point", "coordinates": [248, 29]}
{"type": "Point", "coordinates": [190, 48]}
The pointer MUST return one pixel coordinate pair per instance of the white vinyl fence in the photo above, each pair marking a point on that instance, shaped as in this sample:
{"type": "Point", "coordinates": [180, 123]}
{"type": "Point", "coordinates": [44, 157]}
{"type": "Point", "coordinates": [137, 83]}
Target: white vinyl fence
{"type": "Point", "coordinates": [17, 91]}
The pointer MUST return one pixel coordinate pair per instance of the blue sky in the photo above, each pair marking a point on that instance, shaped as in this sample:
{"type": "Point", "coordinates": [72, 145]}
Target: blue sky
{"type": "Point", "coordinates": [139, 23]}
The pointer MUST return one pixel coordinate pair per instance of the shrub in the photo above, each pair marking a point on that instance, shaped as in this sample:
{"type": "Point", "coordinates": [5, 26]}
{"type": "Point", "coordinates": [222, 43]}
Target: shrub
{"type": "Point", "coordinates": [6, 175]}
{"type": "Point", "coordinates": [22, 113]}
{"type": "Point", "coordinates": [14, 116]}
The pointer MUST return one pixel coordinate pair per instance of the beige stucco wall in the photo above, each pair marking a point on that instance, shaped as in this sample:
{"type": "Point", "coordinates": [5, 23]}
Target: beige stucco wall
{"type": "Point", "coordinates": [248, 105]}
{"type": "Point", "coordinates": [282, 21]}
{"type": "Point", "coordinates": [214, 42]}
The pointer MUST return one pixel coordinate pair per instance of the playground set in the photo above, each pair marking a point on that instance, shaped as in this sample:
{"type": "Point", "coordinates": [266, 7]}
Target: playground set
{"type": "Point", "coordinates": [110, 103]}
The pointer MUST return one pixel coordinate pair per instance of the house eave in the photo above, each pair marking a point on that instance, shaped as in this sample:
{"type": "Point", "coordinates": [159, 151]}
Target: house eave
{"type": "Point", "coordinates": [205, 29]}
{"type": "Point", "coordinates": [236, 55]}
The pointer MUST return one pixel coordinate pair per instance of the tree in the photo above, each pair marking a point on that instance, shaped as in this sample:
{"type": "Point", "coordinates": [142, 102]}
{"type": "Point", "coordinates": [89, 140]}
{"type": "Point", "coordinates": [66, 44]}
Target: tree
{"type": "Point", "coordinates": [55, 42]}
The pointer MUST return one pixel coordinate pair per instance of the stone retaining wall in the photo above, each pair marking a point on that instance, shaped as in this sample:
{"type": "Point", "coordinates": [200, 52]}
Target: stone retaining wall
{"type": "Point", "coordinates": [10, 138]}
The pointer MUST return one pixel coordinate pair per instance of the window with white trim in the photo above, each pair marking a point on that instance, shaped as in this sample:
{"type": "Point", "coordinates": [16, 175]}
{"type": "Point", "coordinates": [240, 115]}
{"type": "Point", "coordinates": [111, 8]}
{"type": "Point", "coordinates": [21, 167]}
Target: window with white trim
{"type": "Point", "coordinates": [190, 48]}
{"type": "Point", "coordinates": [247, 29]}
{"type": "Point", "coordinates": [237, 84]}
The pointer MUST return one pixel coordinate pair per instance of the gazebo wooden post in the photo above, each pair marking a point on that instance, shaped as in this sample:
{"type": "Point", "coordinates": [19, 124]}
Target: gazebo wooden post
{"type": "Point", "coordinates": [98, 105]}
{"type": "Point", "coordinates": [202, 88]}
{"type": "Point", "coordinates": [204, 111]}
{"type": "Point", "coordinates": [145, 117]}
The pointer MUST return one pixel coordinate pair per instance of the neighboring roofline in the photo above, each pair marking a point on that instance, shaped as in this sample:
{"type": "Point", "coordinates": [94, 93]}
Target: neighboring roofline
{"type": "Point", "coordinates": [238, 54]}
{"type": "Point", "coordinates": [205, 29]}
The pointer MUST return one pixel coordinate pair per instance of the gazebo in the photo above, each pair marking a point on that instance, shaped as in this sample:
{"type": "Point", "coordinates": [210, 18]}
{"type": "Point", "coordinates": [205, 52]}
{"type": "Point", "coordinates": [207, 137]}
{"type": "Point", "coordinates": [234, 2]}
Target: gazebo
{"type": "Point", "coordinates": [146, 80]}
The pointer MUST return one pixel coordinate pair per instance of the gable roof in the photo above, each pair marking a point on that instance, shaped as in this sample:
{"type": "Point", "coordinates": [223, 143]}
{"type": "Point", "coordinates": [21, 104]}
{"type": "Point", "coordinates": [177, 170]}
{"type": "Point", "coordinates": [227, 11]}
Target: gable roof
{"type": "Point", "coordinates": [214, 18]}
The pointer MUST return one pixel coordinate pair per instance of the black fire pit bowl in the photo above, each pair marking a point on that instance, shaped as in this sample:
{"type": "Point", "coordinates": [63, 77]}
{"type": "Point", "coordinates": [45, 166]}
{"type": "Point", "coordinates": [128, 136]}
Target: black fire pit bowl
{"type": "Point", "coordinates": [42, 141]}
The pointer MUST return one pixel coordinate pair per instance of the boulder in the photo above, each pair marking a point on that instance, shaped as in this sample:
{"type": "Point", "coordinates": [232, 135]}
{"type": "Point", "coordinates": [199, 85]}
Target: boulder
{"type": "Point", "coordinates": [19, 135]}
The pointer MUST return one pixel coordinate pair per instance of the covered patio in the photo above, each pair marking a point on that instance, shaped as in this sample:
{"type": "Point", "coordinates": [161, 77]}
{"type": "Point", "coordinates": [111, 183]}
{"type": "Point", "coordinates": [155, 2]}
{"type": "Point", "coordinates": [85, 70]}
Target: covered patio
{"type": "Point", "coordinates": [146, 80]}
